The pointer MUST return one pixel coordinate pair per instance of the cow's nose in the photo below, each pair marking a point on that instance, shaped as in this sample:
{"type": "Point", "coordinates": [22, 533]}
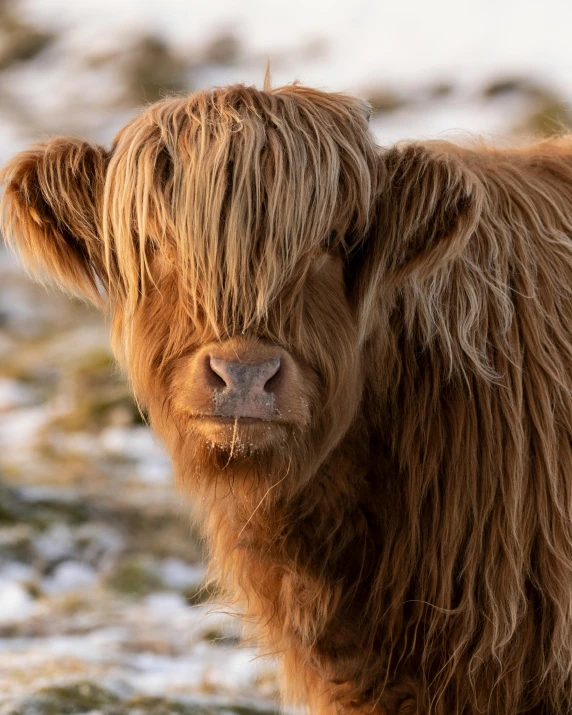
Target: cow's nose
{"type": "Point", "coordinates": [245, 389]}
{"type": "Point", "coordinates": [243, 376]}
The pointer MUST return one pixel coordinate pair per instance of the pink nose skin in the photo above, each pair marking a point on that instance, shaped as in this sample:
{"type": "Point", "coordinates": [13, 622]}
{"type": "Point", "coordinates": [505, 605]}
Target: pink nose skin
{"type": "Point", "coordinates": [246, 391]}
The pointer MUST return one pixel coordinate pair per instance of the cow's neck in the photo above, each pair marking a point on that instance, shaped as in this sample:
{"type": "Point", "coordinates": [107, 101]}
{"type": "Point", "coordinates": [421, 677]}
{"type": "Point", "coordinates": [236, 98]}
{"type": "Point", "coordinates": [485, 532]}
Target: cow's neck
{"type": "Point", "coordinates": [302, 569]}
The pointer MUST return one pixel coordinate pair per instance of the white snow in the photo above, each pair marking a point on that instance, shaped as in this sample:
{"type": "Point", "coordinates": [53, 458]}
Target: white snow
{"type": "Point", "coordinates": [69, 576]}
{"type": "Point", "coordinates": [138, 444]}
{"type": "Point", "coordinates": [14, 394]}
{"type": "Point", "coordinates": [19, 428]}
{"type": "Point", "coordinates": [176, 574]}
{"type": "Point", "coordinates": [16, 604]}
{"type": "Point", "coordinates": [165, 603]}
{"type": "Point", "coordinates": [55, 543]}
{"type": "Point", "coordinates": [17, 572]}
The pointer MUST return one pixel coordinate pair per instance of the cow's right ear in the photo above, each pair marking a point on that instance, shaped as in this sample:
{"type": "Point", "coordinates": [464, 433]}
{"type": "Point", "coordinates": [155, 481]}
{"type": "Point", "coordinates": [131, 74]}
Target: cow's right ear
{"type": "Point", "coordinates": [51, 212]}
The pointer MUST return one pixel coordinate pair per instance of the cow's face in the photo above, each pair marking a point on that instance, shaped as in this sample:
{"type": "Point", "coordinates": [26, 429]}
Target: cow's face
{"type": "Point", "coordinates": [237, 321]}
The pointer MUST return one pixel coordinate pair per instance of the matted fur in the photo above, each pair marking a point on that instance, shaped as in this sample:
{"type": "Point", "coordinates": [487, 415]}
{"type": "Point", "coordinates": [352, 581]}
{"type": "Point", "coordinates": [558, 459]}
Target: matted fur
{"type": "Point", "coordinates": [404, 541]}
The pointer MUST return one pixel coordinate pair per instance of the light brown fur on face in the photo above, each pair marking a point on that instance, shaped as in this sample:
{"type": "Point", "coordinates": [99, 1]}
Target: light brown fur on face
{"type": "Point", "coordinates": [359, 359]}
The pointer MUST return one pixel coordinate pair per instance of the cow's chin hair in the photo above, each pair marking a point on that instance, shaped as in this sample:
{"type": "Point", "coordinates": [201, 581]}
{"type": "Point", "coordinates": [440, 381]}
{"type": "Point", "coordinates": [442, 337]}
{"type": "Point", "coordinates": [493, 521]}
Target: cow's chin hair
{"type": "Point", "coordinates": [238, 445]}
{"type": "Point", "coordinates": [244, 455]}
{"type": "Point", "coordinates": [249, 438]}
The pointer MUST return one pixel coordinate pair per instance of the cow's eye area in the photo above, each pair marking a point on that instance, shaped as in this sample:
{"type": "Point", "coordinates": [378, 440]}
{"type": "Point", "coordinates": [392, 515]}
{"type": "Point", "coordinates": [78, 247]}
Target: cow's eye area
{"type": "Point", "coordinates": [329, 241]}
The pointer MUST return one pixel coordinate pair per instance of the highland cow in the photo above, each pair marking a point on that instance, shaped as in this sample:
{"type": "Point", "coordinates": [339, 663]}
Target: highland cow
{"type": "Point", "coordinates": [360, 360]}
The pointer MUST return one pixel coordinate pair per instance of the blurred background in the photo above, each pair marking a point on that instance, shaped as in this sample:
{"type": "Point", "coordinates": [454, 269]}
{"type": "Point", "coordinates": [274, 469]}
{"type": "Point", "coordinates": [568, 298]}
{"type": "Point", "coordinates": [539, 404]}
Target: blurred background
{"type": "Point", "coordinates": [102, 604]}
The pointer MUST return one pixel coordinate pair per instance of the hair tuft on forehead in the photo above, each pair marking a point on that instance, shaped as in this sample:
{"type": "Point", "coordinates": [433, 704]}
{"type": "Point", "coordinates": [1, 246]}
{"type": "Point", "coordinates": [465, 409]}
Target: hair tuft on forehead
{"type": "Point", "coordinates": [236, 187]}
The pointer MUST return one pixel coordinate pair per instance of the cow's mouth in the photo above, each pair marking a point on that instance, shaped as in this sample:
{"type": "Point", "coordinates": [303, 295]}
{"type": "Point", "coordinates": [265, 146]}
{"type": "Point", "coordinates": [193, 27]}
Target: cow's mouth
{"type": "Point", "coordinates": [236, 421]}
{"type": "Point", "coordinates": [240, 433]}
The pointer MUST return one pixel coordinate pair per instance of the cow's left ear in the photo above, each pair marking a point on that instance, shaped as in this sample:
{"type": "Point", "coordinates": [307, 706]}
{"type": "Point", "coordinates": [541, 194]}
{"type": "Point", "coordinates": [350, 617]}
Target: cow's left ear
{"type": "Point", "coordinates": [51, 212]}
{"type": "Point", "coordinates": [427, 206]}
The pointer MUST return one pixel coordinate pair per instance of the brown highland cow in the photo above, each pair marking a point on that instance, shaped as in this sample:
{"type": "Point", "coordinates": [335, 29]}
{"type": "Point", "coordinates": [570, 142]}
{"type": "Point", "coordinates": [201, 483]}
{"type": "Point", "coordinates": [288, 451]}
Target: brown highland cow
{"type": "Point", "coordinates": [360, 360]}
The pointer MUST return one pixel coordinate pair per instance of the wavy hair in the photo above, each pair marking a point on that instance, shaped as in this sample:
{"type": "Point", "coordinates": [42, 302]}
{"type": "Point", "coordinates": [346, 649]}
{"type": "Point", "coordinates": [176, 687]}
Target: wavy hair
{"type": "Point", "coordinates": [410, 551]}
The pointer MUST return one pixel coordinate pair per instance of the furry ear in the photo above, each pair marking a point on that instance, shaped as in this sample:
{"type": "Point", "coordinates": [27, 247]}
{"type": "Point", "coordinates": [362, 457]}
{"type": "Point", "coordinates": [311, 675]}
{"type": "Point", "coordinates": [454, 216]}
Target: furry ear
{"type": "Point", "coordinates": [427, 207]}
{"type": "Point", "coordinates": [427, 210]}
{"type": "Point", "coordinates": [51, 212]}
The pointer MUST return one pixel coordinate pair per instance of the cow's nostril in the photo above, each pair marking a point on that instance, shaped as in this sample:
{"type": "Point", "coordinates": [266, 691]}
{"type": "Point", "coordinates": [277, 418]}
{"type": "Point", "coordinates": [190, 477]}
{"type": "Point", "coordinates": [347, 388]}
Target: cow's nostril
{"type": "Point", "coordinates": [272, 374]}
{"type": "Point", "coordinates": [217, 372]}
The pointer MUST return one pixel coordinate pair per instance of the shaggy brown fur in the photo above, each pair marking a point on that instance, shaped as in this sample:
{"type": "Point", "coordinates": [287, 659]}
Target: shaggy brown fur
{"type": "Point", "coordinates": [402, 539]}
